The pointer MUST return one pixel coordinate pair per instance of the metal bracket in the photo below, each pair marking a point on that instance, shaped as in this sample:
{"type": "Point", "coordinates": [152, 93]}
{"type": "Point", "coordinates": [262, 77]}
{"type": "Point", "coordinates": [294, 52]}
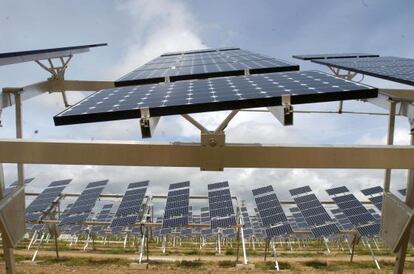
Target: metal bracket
{"type": "Point", "coordinates": [246, 72]}
{"type": "Point", "coordinates": [283, 113]}
{"type": "Point", "coordinates": [167, 79]}
{"type": "Point", "coordinates": [147, 123]}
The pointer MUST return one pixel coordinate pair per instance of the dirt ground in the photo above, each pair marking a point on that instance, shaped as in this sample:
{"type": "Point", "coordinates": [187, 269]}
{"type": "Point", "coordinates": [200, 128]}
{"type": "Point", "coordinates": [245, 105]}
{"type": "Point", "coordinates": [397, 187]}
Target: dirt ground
{"type": "Point", "coordinates": [168, 264]}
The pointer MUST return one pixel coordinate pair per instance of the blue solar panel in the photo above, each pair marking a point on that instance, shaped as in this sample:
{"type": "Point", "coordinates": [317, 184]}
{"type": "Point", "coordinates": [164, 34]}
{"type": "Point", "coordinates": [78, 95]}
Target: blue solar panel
{"type": "Point", "coordinates": [355, 212]}
{"type": "Point", "coordinates": [262, 190]}
{"type": "Point", "coordinates": [370, 230]}
{"type": "Point", "coordinates": [217, 185]}
{"type": "Point", "coordinates": [179, 185]}
{"type": "Point", "coordinates": [98, 183]}
{"type": "Point", "coordinates": [300, 190]}
{"type": "Point", "coordinates": [60, 183]}
{"type": "Point", "coordinates": [277, 231]}
{"type": "Point", "coordinates": [325, 230]}
{"type": "Point", "coordinates": [138, 184]}
{"type": "Point", "coordinates": [305, 199]}
{"type": "Point", "coordinates": [372, 190]}
{"type": "Point", "coordinates": [334, 56]}
{"type": "Point", "coordinates": [337, 190]}
{"type": "Point", "coordinates": [223, 222]}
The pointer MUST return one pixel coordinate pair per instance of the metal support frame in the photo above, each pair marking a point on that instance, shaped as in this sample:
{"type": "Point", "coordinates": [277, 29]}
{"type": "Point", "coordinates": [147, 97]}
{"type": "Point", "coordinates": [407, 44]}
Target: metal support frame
{"type": "Point", "coordinates": [240, 233]}
{"type": "Point", "coordinates": [373, 256]}
{"type": "Point", "coordinates": [326, 241]}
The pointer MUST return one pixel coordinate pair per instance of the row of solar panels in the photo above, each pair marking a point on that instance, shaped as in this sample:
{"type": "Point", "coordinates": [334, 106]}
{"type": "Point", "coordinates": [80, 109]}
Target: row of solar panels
{"type": "Point", "coordinates": [308, 213]}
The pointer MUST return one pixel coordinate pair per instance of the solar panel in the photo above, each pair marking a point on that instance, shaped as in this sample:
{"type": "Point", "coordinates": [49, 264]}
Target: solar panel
{"type": "Point", "coordinates": [372, 190]}
{"type": "Point", "coordinates": [220, 205]}
{"type": "Point", "coordinates": [103, 215]}
{"type": "Point", "coordinates": [176, 213]}
{"type": "Point", "coordinates": [26, 181]}
{"type": "Point", "coordinates": [271, 213]}
{"type": "Point", "coordinates": [395, 69]}
{"type": "Point", "coordinates": [41, 54]}
{"type": "Point", "coordinates": [217, 185]}
{"type": "Point", "coordinates": [333, 55]}
{"type": "Point", "coordinates": [403, 191]}
{"type": "Point", "coordinates": [131, 204]}
{"type": "Point", "coordinates": [45, 199]}
{"type": "Point", "coordinates": [334, 191]}
{"type": "Point", "coordinates": [315, 215]}
{"type": "Point", "coordinates": [82, 207]}
{"type": "Point", "coordinates": [179, 185]}
{"type": "Point", "coordinates": [261, 90]}
{"type": "Point", "coordinates": [300, 190]}
{"type": "Point", "coordinates": [356, 213]}
{"type": "Point", "coordinates": [203, 64]}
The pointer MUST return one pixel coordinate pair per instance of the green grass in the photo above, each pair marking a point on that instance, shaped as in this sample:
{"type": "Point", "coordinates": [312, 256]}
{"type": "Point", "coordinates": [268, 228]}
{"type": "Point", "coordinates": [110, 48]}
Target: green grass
{"type": "Point", "coordinates": [189, 264]}
{"type": "Point", "coordinates": [229, 252]}
{"type": "Point", "coordinates": [316, 264]}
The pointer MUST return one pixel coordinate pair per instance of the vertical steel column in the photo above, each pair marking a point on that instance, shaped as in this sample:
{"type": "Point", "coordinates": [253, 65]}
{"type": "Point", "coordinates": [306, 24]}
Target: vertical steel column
{"type": "Point", "coordinates": [390, 141]}
{"type": "Point", "coordinates": [19, 134]}
{"type": "Point", "coordinates": [409, 200]}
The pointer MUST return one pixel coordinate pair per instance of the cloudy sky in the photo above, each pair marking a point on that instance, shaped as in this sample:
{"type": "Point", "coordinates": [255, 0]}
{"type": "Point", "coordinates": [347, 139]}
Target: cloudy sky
{"type": "Point", "coordinates": [138, 31]}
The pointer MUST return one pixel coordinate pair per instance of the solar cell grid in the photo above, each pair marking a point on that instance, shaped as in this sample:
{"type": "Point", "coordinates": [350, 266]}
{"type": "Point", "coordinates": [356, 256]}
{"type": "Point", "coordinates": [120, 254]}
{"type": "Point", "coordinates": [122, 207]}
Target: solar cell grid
{"type": "Point", "coordinates": [97, 183]}
{"type": "Point", "coordinates": [325, 230]}
{"type": "Point", "coordinates": [313, 211]}
{"type": "Point", "coordinates": [60, 183]}
{"type": "Point", "coordinates": [179, 185]}
{"type": "Point", "coordinates": [305, 199]}
{"type": "Point", "coordinates": [300, 190]}
{"type": "Point", "coordinates": [337, 190]}
{"type": "Point", "coordinates": [334, 55]}
{"type": "Point", "coordinates": [262, 190]}
{"type": "Point", "coordinates": [318, 219]}
{"type": "Point", "coordinates": [309, 205]}
{"type": "Point", "coordinates": [223, 222]}
{"type": "Point", "coordinates": [261, 90]}
{"type": "Point", "coordinates": [389, 68]}
{"type": "Point", "coordinates": [223, 192]}
{"type": "Point", "coordinates": [277, 231]}
{"type": "Point", "coordinates": [343, 199]}
{"type": "Point", "coordinates": [267, 205]}
{"type": "Point", "coordinates": [217, 185]}
{"type": "Point", "coordinates": [372, 190]}
{"type": "Point", "coordinates": [266, 198]}
{"type": "Point", "coordinates": [138, 184]}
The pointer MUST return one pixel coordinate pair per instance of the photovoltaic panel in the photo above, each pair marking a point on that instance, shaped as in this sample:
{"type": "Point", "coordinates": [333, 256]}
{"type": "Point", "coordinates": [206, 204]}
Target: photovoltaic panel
{"type": "Point", "coordinates": [300, 190]}
{"type": "Point", "coordinates": [315, 215]}
{"type": "Point", "coordinates": [403, 191]}
{"type": "Point", "coordinates": [138, 184]}
{"type": "Point", "coordinates": [218, 185]}
{"type": "Point", "coordinates": [215, 94]}
{"type": "Point", "coordinates": [41, 54]}
{"type": "Point", "coordinates": [400, 70]}
{"type": "Point", "coordinates": [103, 215]}
{"type": "Point", "coordinates": [333, 55]}
{"type": "Point", "coordinates": [198, 51]}
{"type": "Point", "coordinates": [220, 205]}
{"type": "Point", "coordinates": [45, 199]}
{"type": "Point", "coordinates": [26, 181]}
{"type": "Point", "coordinates": [271, 212]}
{"type": "Point", "coordinates": [176, 213]}
{"type": "Point", "coordinates": [372, 190]}
{"type": "Point", "coordinates": [203, 64]}
{"type": "Point", "coordinates": [82, 207]}
{"type": "Point", "coordinates": [334, 191]}
{"type": "Point", "coordinates": [356, 213]}
{"type": "Point", "coordinates": [179, 185]}
{"type": "Point", "coordinates": [131, 204]}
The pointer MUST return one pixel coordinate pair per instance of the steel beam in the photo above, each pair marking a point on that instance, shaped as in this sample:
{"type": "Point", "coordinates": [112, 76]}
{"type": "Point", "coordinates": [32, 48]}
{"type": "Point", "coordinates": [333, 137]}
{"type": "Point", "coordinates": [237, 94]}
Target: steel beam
{"type": "Point", "coordinates": [193, 155]}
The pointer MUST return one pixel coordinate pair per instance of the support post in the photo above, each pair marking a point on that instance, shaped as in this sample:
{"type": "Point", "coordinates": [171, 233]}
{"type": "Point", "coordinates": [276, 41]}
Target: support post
{"type": "Point", "coordinates": [141, 253]}
{"type": "Point", "coordinates": [409, 200]}
{"type": "Point", "coordinates": [390, 141]}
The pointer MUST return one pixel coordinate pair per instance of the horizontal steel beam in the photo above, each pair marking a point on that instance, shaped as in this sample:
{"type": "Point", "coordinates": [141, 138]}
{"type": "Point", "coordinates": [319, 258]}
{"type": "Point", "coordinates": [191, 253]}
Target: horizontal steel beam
{"type": "Point", "coordinates": [194, 155]}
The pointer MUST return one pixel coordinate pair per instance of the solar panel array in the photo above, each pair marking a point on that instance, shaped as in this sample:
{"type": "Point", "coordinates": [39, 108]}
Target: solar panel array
{"type": "Point", "coordinates": [128, 211]}
{"type": "Point", "coordinates": [176, 212]}
{"type": "Point", "coordinates": [205, 219]}
{"type": "Point", "coordinates": [14, 184]}
{"type": "Point", "coordinates": [333, 55]}
{"type": "Point", "coordinates": [356, 213]}
{"type": "Point", "coordinates": [214, 94]}
{"type": "Point", "coordinates": [221, 206]}
{"type": "Point", "coordinates": [342, 221]}
{"type": "Point", "coordinates": [103, 215]}
{"type": "Point", "coordinates": [299, 220]}
{"type": "Point", "coordinates": [375, 195]}
{"type": "Point", "coordinates": [248, 227]}
{"type": "Point", "coordinates": [203, 64]}
{"type": "Point", "coordinates": [315, 215]}
{"type": "Point", "coordinates": [82, 207]}
{"type": "Point", "coordinates": [271, 212]}
{"type": "Point", "coordinates": [395, 69]}
{"type": "Point", "coordinates": [45, 199]}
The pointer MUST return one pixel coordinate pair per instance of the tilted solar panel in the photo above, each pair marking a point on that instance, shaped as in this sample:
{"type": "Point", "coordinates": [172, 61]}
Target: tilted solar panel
{"type": "Point", "coordinates": [333, 55]}
{"type": "Point", "coordinates": [315, 215]}
{"type": "Point", "coordinates": [215, 94]}
{"type": "Point", "coordinates": [220, 205]}
{"type": "Point", "coordinates": [176, 213]}
{"type": "Point", "coordinates": [372, 190]}
{"type": "Point", "coordinates": [400, 70]}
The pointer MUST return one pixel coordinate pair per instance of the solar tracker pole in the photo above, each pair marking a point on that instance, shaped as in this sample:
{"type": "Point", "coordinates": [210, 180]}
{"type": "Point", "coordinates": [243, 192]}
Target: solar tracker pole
{"type": "Point", "coordinates": [409, 200]}
{"type": "Point", "coordinates": [275, 254]}
{"type": "Point", "coordinates": [390, 141]}
{"type": "Point", "coordinates": [373, 256]}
